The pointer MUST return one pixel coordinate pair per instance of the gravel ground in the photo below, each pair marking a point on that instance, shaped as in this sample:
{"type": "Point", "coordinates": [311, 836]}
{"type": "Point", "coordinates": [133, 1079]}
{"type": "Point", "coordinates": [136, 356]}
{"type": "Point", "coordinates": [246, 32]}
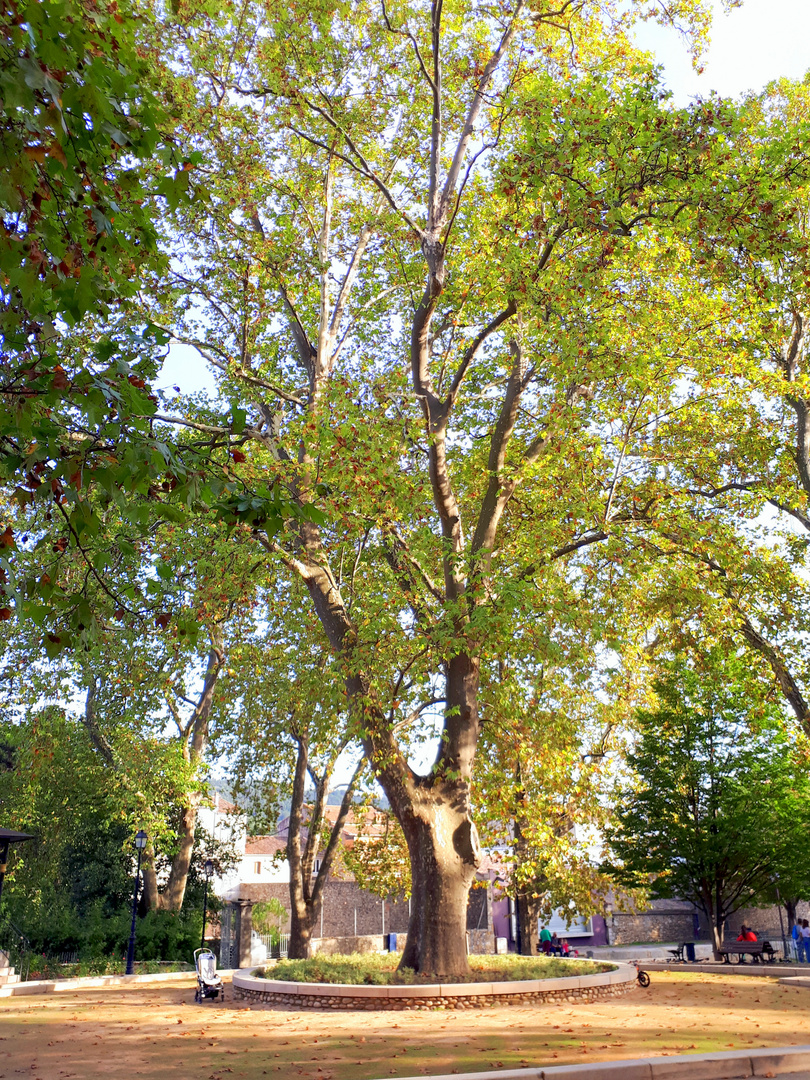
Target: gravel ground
{"type": "Point", "coordinates": [158, 1032]}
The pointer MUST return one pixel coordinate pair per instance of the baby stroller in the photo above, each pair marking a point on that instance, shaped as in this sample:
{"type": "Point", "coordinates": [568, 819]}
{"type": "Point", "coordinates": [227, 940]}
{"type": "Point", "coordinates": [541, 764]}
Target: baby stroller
{"type": "Point", "coordinates": [209, 984]}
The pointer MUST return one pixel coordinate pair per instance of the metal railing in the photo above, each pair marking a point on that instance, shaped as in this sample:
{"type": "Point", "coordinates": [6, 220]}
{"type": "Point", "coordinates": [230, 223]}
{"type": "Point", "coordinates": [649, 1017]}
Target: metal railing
{"type": "Point", "coordinates": [16, 947]}
{"type": "Point", "coordinates": [276, 944]}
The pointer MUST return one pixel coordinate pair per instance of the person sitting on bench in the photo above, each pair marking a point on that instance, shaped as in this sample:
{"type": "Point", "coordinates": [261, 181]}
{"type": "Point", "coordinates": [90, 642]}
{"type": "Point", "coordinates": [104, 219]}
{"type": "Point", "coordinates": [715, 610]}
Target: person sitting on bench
{"type": "Point", "coordinates": [746, 934]}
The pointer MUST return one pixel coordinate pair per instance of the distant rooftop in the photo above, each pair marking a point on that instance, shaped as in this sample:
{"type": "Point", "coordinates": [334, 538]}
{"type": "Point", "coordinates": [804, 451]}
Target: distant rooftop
{"type": "Point", "coordinates": [264, 845]}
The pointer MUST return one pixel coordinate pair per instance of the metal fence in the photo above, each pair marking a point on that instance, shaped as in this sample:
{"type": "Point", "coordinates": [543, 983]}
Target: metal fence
{"type": "Point", "coordinates": [276, 944]}
{"type": "Point", "coordinates": [16, 946]}
{"type": "Point", "coordinates": [229, 922]}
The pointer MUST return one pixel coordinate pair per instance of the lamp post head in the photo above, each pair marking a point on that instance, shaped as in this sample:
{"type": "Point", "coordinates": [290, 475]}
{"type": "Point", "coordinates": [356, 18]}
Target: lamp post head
{"type": "Point", "coordinates": [140, 839]}
{"type": "Point", "coordinates": [208, 867]}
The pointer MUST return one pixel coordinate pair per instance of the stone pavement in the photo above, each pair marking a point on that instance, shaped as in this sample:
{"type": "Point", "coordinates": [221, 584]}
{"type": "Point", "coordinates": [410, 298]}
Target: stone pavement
{"type": "Point", "coordinates": [776, 971]}
{"type": "Point", "coordinates": [642, 952]}
{"type": "Point", "coordinates": [790, 1061]}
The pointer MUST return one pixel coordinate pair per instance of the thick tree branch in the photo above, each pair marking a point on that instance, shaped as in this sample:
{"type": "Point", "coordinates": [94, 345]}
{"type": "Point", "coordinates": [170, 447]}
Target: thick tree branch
{"type": "Point", "coordinates": [794, 512]}
{"type": "Point", "coordinates": [349, 279]}
{"type": "Point", "coordinates": [472, 115]}
{"type": "Point", "coordinates": [314, 826]}
{"type": "Point", "coordinates": [227, 367]}
{"type": "Point", "coordinates": [297, 884]}
{"type": "Point", "coordinates": [90, 721]}
{"type": "Point", "coordinates": [499, 490]}
{"type": "Point", "coordinates": [784, 677]}
{"type": "Point", "coordinates": [362, 169]}
{"type": "Point", "coordinates": [474, 349]}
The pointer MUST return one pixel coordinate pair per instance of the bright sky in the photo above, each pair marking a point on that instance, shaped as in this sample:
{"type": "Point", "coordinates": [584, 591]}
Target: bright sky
{"type": "Point", "coordinates": [761, 41]}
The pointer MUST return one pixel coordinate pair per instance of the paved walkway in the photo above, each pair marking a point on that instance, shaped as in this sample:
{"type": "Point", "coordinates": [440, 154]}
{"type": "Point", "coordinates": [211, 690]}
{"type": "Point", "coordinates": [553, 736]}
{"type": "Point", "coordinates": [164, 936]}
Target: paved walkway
{"type": "Point", "coordinates": [791, 1061]}
{"type": "Point", "coordinates": [658, 951]}
{"type": "Point", "coordinates": [771, 970]}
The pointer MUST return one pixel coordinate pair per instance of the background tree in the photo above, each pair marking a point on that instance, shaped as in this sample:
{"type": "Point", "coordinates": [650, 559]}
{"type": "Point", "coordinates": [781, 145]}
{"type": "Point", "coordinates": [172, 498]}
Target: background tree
{"type": "Point", "coordinates": [729, 491]}
{"type": "Point", "coordinates": [150, 697]}
{"type": "Point", "coordinates": [70, 890]}
{"type": "Point", "coordinates": [285, 737]}
{"type": "Point", "coordinates": [717, 802]}
{"type": "Point", "coordinates": [378, 858]}
{"type": "Point", "coordinates": [93, 168]}
{"type": "Point", "coordinates": [541, 788]}
{"type": "Point", "coordinates": [87, 156]}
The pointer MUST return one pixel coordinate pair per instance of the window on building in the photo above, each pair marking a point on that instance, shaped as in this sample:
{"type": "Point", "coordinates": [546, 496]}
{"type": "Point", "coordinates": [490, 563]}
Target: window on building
{"type": "Point", "coordinates": [257, 868]}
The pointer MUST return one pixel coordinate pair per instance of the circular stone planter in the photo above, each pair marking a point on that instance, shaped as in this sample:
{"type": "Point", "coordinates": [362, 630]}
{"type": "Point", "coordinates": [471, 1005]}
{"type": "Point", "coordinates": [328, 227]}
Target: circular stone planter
{"type": "Point", "coordinates": [295, 995]}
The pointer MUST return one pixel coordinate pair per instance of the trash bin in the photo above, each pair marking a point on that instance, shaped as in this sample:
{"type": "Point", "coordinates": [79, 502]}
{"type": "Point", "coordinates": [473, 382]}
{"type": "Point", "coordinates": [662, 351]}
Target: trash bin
{"type": "Point", "coordinates": [391, 942]}
{"type": "Point", "coordinates": [690, 952]}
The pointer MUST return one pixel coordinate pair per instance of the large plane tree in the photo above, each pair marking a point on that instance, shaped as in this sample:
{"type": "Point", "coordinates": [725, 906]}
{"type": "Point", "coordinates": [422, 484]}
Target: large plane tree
{"type": "Point", "coordinates": [429, 278]}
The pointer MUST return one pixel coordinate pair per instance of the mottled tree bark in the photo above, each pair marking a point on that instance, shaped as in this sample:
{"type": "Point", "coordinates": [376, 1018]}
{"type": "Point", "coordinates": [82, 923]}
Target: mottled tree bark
{"type": "Point", "coordinates": [444, 854]}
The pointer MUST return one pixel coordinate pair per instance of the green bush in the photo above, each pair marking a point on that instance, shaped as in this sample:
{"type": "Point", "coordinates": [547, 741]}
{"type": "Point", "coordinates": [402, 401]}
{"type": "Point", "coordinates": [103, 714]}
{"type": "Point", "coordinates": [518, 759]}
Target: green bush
{"type": "Point", "coordinates": [380, 969]}
{"type": "Point", "coordinates": [168, 935]}
{"type": "Point", "coordinates": [97, 936]}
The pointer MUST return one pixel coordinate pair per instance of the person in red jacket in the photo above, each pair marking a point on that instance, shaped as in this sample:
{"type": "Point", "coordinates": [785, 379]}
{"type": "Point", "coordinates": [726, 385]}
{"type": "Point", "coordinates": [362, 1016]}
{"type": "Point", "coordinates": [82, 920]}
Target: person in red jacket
{"type": "Point", "coordinates": [746, 934]}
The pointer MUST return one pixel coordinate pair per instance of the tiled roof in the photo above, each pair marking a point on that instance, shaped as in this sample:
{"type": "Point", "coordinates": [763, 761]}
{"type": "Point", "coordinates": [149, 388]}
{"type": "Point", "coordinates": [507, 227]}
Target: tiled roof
{"type": "Point", "coordinates": [370, 822]}
{"type": "Point", "coordinates": [264, 845]}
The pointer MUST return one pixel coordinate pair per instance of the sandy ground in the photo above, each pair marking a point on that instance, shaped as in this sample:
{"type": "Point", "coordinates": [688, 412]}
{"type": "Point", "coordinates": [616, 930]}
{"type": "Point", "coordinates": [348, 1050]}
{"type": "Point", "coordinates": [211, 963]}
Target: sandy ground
{"type": "Point", "coordinates": [160, 1033]}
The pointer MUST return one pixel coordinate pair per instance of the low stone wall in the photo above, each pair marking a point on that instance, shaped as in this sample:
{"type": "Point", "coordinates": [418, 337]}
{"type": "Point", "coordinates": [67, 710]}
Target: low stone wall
{"type": "Point", "coordinates": [87, 982]}
{"type": "Point", "coordinates": [577, 988]}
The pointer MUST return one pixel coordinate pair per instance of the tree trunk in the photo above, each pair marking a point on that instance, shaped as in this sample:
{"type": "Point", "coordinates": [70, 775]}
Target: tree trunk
{"type": "Point", "coordinates": [718, 936]}
{"type": "Point", "coordinates": [303, 917]}
{"type": "Point", "coordinates": [194, 739]}
{"type": "Point", "coordinates": [444, 853]}
{"type": "Point", "coordinates": [172, 896]}
{"type": "Point", "coordinates": [306, 885]}
{"type": "Point", "coordinates": [527, 913]}
{"type": "Point", "coordinates": [149, 899]}
{"type": "Point", "coordinates": [790, 908]}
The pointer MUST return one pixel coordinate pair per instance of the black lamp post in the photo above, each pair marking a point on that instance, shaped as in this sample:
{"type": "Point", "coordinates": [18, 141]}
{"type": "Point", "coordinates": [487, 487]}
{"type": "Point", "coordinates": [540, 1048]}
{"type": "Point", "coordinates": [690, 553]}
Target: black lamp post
{"type": "Point", "coordinates": [209, 872]}
{"type": "Point", "coordinates": [781, 923]}
{"type": "Point", "coordinates": [140, 844]}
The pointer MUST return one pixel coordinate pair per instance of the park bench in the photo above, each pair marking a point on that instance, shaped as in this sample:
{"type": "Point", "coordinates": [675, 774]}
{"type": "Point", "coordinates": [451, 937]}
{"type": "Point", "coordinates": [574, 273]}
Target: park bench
{"type": "Point", "coordinates": [755, 949]}
{"type": "Point", "coordinates": [682, 953]}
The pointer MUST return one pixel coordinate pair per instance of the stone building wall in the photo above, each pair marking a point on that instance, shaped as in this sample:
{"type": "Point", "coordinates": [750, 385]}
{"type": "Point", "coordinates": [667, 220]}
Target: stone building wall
{"type": "Point", "coordinates": [479, 908]}
{"type": "Point", "coordinates": [765, 921]}
{"type": "Point", "coordinates": [674, 920]}
{"type": "Point", "coordinates": [481, 942]}
{"type": "Point", "coordinates": [665, 920]}
{"type": "Point", "coordinates": [342, 899]}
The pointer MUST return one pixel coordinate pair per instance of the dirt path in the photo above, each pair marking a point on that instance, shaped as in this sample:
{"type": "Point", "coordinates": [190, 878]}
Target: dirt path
{"type": "Point", "coordinates": [160, 1033]}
